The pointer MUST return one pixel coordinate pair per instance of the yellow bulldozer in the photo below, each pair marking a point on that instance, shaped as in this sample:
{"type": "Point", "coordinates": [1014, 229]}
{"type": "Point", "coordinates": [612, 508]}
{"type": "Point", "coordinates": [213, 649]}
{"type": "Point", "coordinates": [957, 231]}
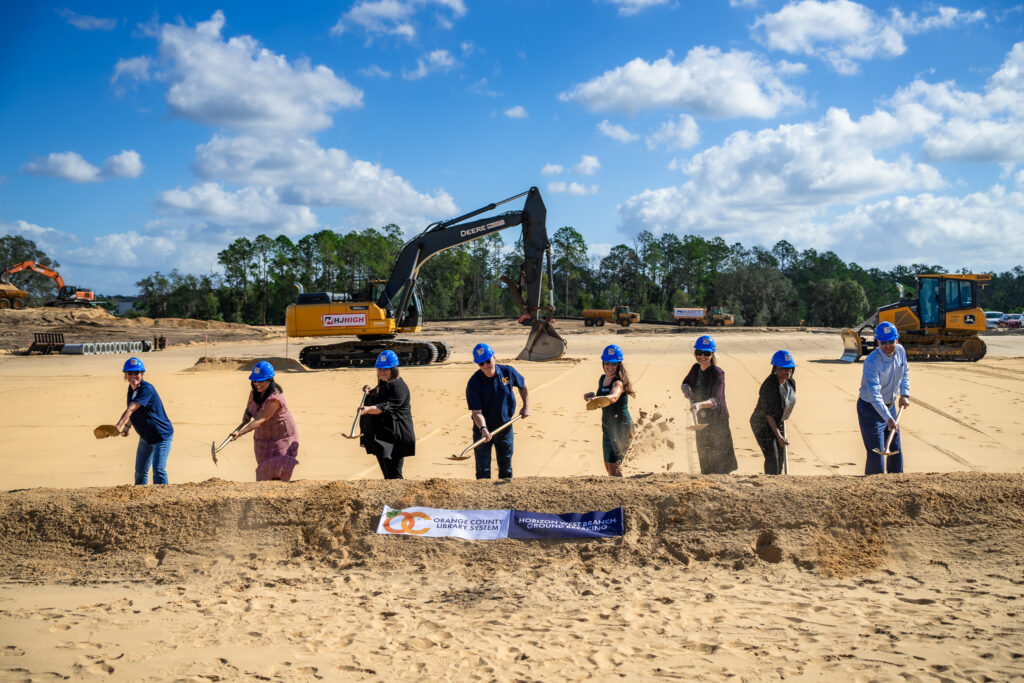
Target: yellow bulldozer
{"type": "Point", "coordinates": [942, 323]}
{"type": "Point", "coordinates": [376, 318]}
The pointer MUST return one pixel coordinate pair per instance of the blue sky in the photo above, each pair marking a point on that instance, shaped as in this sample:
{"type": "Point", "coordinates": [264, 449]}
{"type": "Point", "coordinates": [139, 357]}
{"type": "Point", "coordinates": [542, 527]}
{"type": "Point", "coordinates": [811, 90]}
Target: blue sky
{"type": "Point", "coordinates": [143, 136]}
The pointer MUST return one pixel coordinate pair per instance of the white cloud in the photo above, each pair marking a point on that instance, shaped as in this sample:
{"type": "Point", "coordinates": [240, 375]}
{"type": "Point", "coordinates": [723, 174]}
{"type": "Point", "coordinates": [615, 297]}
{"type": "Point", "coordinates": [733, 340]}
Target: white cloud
{"type": "Point", "coordinates": [483, 88]}
{"type": "Point", "coordinates": [127, 164]}
{"type": "Point", "coordinates": [844, 33]}
{"type": "Point", "coordinates": [49, 240]}
{"type": "Point", "coordinates": [71, 166]}
{"type": "Point", "coordinates": [552, 169]}
{"type": "Point", "coordinates": [630, 7]}
{"type": "Point", "coordinates": [983, 231]}
{"type": "Point", "coordinates": [248, 208]}
{"type": "Point", "coordinates": [396, 18]}
{"type": "Point", "coordinates": [302, 173]}
{"type": "Point", "coordinates": [374, 71]}
{"type": "Point", "coordinates": [516, 112]}
{"type": "Point", "coordinates": [559, 187]}
{"type": "Point", "coordinates": [616, 132]}
{"type": "Point", "coordinates": [136, 68]}
{"type": "Point", "coordinates": [87, 23]}
{"type": "Point", "coordinates": [438, 61]}
{"type": "Point", "coordinates": [773, 184]}
{"type": "Point", "coordinates": [681, 133]}
{"type": "Point", "coordinates": [239, 84]}
{"type": "Point", "coordinates": [708, 82]}
{"type": "Point", "coordinates": [588, 165]}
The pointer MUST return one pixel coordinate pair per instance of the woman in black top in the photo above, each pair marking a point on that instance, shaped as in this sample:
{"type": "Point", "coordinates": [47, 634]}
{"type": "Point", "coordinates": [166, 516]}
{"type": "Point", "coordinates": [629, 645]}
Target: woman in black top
{"type": "Point", "coordinates": [704, 385]}
{"type": "Point", "coordinates": [386, 418]}
{"type": "Point", "coordinates": [775, 402]}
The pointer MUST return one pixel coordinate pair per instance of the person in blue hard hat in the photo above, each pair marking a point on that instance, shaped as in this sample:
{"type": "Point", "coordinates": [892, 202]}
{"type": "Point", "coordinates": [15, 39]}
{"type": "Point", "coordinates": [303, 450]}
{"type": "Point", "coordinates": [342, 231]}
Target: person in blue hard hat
{"type": "Point", "coordinates": [704, 386]}
{"type": "Point", "coordinates": [145, 412]}
{"type": "Point", "coordinates": [490, 397]}
{"type": "Point", "coordinates": [386, 418]}
{"type": "Point", "coordinates": [275, 438]}
{"type": "Point", "coordinates": [884, 383]}
{"type": "Point", "coordinates": [616, 422]}
{"type": "Point", "coordinates": [775, 401]}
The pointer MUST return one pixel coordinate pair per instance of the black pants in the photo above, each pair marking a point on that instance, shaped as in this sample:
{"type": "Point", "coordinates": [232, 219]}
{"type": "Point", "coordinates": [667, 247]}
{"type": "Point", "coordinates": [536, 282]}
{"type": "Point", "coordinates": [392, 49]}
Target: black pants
{"type": "Point", "coordinates": [773, 461]}
{"type": "Point", "coordinates": [391, 467]}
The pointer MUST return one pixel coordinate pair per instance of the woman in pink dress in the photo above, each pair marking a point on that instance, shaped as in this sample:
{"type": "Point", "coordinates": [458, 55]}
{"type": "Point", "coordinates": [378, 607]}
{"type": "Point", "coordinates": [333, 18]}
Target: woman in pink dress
{"type": "Point", "coordinates": [275, 439]}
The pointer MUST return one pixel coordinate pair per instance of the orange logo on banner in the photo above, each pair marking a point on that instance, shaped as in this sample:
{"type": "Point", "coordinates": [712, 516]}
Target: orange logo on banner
{"type": "Point", "coordinates": [408, 525]}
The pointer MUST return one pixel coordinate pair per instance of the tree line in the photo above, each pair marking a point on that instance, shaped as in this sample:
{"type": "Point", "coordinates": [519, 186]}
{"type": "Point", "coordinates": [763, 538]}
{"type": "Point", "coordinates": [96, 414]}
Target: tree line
{"type": "Point", "coordinates": [760, 286]}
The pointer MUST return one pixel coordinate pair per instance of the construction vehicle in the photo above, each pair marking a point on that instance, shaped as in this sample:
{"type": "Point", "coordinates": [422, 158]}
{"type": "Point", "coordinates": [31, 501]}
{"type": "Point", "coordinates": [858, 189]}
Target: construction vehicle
{"type": "Point", "coordinates": [377, 321]}
{"type": "Point", "coordinates": [67, 297]}
{"type": "Point", "coordinates": [704, 317]}
{"type": "Point", "coordinates": [942, 323]}
{"type": "Point", "coordinates": [597, 317]}
{"type": "Point", "coordinates": [11, 296]}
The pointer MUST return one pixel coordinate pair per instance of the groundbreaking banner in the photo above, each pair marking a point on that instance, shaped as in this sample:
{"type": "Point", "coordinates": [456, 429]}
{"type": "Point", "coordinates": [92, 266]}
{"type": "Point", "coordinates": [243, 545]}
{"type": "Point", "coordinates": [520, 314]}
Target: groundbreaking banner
{"type": "Point", "coordinates": [542, 525]}
{"type": "Point", "coordinates": [487, 525]}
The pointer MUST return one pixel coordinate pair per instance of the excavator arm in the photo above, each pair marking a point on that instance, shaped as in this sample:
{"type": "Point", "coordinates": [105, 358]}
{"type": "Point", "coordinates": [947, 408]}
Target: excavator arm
{"type": "Point", "coordinates": [544, 342]}
{"type": "Point", "coordinates": [35, 267]}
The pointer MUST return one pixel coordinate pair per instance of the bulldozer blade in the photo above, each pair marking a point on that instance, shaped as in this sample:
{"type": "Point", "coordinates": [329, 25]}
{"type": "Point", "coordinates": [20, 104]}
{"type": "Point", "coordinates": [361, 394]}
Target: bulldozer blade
{"type": "Point", "coordinates": [852, 346]}
{"type": "Point", "coordinates": [544, 343]}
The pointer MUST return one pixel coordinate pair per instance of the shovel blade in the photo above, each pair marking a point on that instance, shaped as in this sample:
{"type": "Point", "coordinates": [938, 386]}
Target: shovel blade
{"type": "Point", "coordinates": [885, 453]}
{"type": "Point", "coordinates": [457, 457]}
{"type": "Point", "coordinates": [213, 451]}
{"type": "Point", "coordinates": [543, 344]}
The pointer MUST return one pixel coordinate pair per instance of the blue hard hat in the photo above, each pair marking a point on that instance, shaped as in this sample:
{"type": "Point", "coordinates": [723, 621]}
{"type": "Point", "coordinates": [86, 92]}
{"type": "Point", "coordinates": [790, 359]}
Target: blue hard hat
{"type": "Point", "coordinates": [482, 353]}
{"type": "Point", "coordinates": [704, 343]}
{"type": "Point", "coordinates": [612, 354]}
{"type": "Point", "coordinates": [133, 364]}
{"type": "Point", "coordinates": [261, 372]}
{"type": "Point", "coordinates": [386, 359]}
{"type": "Point", "coordinates": [783, 359]}
{"type": "Point", "coordinates": [886, 332]}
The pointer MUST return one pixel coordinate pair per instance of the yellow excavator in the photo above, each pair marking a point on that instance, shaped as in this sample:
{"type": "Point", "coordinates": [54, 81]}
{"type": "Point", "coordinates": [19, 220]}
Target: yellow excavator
{"type": "Point", "coordinates": [376, 321]}
{"type": "Point", "coordinates": [942, 323]}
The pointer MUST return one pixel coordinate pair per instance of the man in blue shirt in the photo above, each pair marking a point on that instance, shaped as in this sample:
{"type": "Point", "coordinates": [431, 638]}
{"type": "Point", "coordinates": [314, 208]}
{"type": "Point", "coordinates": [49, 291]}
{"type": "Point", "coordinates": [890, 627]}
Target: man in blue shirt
{"type": "Point", "coordinates": [885, 379]}
{"type": "Point", "coordinates": [490, 397]}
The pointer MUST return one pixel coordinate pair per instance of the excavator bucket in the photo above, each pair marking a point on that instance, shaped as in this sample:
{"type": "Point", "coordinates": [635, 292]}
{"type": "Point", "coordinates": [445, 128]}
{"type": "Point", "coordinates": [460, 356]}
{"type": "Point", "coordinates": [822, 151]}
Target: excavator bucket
{"type": "Point", "coordinates": [544, 343]}
{"type": "Point", "coordinates": [852, 346]}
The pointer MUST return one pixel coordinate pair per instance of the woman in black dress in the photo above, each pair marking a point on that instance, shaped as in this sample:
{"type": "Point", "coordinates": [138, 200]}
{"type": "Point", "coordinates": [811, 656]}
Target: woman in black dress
{"type": "Point", "coordinates": [386, 418]}
{"type": "Point", "coordinates": [775, 402]}
{"type": "Point", "coordinates": [704, 386]}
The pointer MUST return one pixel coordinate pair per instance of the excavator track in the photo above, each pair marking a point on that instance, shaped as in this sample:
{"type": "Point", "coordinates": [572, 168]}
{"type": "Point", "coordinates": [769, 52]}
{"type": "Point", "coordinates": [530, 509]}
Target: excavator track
{"type": "Point", "coordinates": [919, 348]}
{"type": "Point", "coordinates": [363, 353]}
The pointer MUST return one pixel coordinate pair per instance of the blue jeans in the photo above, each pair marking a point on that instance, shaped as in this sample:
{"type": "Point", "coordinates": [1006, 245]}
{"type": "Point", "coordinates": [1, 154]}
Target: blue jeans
{"type": "Point", "coordinates": [155, 454]}
{"type": "Point", "coordinates": [874, 434]}
{"type": "Point", "coordinates": [502, 450]}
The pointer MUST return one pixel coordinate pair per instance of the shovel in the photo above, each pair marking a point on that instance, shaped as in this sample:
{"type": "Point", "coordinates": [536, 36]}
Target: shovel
{"type": "Point", "coordinates": [355, 423]}
{"type": "Point", "coordinates": [598, 402]}
{"type": "Point", "coordinates": [697, 426]}
{"type": "Point", "coordinates": [785, 452]}
{"type": "Point", "coordinates": [103, 431]}
{"type": "Point", "coordinates": [463, 456]}
{"type": "Point", "coordinates": [888, 442]}
{"type": "Point", "coordinates": [215, 449]}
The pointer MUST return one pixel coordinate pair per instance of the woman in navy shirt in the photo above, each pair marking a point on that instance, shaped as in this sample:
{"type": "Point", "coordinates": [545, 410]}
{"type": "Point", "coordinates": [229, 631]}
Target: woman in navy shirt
{"type": "Point", "coordinates": [146, 412]}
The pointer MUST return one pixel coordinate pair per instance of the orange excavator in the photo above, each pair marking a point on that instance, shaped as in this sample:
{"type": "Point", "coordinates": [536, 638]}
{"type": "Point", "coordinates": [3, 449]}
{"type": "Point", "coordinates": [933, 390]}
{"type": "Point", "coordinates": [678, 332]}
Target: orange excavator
{"type": "Point", "coordinates": [67, 297]}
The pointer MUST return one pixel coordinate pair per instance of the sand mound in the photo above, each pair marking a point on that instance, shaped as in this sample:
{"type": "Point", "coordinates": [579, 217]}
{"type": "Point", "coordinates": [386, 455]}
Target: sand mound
{"type": "Point", "coordinates": [222, 364]}
{"type": "Point", "coordinates": [835, 526]}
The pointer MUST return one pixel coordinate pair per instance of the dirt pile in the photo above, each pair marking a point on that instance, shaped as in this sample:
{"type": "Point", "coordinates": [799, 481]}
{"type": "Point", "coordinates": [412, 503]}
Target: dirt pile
{"type": "Point", "coordinates": [835, 526]}
{"type": "Point", "coordinates": [220, 364]}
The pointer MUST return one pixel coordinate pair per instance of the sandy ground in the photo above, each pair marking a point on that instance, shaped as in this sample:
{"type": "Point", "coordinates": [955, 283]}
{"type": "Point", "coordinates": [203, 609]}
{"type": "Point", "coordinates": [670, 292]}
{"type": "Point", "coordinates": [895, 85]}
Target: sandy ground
{"type": "Point", "coordinates": [821, 574]}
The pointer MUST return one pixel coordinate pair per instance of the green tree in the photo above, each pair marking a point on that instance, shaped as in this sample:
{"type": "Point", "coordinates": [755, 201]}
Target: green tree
{"type": "Point", "coordinates": [569, 259]}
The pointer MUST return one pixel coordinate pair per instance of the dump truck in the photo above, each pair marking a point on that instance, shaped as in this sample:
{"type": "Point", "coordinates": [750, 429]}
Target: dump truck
{"type": "Point", "coordinates": [942, 323]}
{"type": "Point", "coordinates": [377, 321]}
{"type": "Point", "coordinates": [12, 297]}
{"type": "Point", "coordinates": [597, 317]}
{"type": "Point", "coordinates": [702, 317]}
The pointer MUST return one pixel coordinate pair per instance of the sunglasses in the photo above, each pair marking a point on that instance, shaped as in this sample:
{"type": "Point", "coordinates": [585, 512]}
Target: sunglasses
{"type": "Point", "coordinates": [702, 353]}
{"type": "Point", "coordinates": [489, 361]}
{"type": "Point", "coordinates": [888, 343]}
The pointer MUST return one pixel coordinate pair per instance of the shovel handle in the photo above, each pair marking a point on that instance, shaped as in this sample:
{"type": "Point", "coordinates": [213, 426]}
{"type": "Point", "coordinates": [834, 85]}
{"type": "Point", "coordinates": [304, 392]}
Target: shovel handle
{"type": "Point", "coordinates": [479, 441]}
{"type": "Point", "coordinates": [355, 422]}
{"type": "Point", "coordinates": [892, 433]}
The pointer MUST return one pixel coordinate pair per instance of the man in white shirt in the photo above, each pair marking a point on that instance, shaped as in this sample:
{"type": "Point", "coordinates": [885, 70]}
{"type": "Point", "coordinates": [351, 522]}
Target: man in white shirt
{"type": "Point", "coordinates": [884, 383]}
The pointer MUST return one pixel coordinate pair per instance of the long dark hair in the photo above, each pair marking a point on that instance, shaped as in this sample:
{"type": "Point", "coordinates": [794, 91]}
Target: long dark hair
{"type": "Point", "coordinates": [271, 388]}
{"type": "Point", "coordinates": [623, 376]}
